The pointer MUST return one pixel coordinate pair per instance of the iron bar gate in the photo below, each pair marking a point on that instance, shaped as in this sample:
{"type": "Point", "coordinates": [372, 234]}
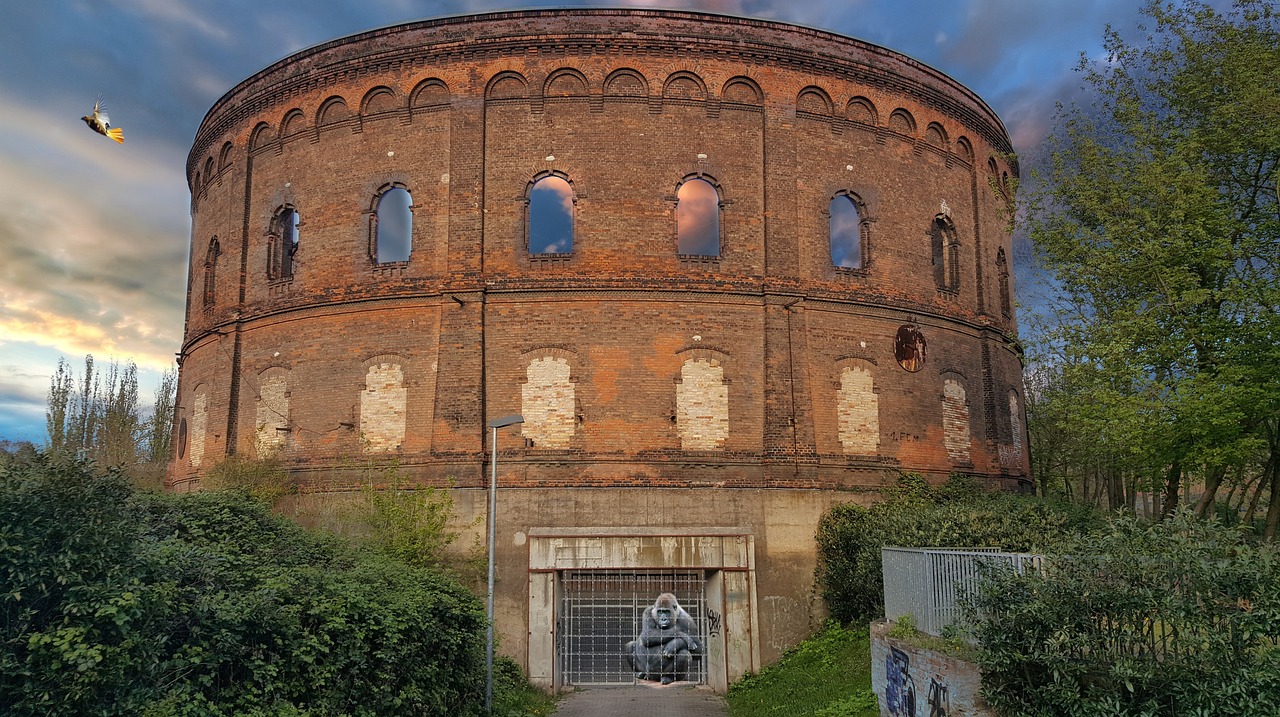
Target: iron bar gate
{"type": "Point", "coordinates": [600, 612]}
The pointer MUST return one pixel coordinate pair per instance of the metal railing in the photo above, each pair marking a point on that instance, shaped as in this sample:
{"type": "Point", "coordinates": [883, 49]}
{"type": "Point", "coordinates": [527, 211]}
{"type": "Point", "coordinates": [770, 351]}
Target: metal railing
{"type": "Point", "coordinates": [929, 583]}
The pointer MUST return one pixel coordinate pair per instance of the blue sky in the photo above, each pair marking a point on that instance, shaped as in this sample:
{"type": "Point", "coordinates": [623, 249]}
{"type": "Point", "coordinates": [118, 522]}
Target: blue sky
{"type": "Point", "coordinates": [94, 236]}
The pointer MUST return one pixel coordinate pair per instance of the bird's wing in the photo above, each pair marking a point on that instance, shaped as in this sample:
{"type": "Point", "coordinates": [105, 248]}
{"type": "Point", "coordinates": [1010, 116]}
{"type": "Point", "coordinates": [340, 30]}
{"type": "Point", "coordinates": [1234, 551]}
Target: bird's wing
{"type": "Point", "coordinates": [103, 118]}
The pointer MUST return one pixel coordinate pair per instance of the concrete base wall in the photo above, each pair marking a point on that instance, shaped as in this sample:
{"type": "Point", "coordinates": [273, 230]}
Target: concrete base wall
{"type": "Point", "coordinates": [912, 681]}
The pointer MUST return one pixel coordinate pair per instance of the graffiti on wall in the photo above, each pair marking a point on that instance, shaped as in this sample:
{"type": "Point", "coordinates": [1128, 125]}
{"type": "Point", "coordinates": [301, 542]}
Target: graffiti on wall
{"type": "Point", "coordinates": [939, 700]}
{"type": "Point", "coordinates": [900, 688]}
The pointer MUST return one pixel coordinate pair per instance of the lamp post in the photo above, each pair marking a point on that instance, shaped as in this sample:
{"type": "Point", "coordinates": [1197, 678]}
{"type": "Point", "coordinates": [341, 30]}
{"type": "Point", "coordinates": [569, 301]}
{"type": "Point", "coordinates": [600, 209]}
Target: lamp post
{"type": "Point", "coordinates": [495, 424]}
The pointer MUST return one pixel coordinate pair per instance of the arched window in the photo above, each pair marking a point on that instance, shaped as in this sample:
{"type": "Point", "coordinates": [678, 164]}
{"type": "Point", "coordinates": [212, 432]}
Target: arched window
{"type": "Point", "coordinates": [697, 219]}
{"type": "Point", "coordinates": [848, 250]}
{"type": "Point", "coordinates": [283, 248]}
{"type": "Point", "coordinates": [393, 226]}
{"type": "Point", "coordinates": [1002, 271]}
{"type": "Point", "coordinates": [211, 273]}
{"type": "Point", "coordinates": [946, 253]}
{"type": "Point", "coordinates": [550, 220]}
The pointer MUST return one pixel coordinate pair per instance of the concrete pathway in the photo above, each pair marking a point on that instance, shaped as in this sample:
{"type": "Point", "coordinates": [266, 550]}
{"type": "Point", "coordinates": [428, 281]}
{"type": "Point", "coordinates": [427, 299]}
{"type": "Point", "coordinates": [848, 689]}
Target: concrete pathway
{"type": "Point", "coordinates": [643, 700]}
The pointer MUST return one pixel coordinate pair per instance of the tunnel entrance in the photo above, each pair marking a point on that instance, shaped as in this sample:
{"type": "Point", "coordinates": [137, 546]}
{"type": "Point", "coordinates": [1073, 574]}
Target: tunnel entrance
{"type": "Point", "coordinates": [600, 612]}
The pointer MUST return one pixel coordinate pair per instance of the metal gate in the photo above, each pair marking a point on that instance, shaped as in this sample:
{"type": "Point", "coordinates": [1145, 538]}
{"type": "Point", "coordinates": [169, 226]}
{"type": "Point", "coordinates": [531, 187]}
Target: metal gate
{"type": "Point", "coordinates": [600, 612]}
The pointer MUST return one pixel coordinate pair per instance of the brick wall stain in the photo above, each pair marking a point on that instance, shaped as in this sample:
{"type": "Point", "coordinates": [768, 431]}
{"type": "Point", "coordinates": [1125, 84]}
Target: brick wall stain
{"type": "Point", "coordinates": [382, 408]}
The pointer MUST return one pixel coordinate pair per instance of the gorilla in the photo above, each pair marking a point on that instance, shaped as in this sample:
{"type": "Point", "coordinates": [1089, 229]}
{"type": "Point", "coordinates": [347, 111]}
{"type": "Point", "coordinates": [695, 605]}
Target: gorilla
{"type": "Point", "coordinates": [666, 645]}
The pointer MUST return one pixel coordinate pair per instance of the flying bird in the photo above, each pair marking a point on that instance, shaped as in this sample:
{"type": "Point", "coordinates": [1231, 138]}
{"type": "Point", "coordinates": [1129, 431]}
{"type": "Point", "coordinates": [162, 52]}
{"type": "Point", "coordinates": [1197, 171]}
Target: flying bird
{"type": "Point", "coordinates": [99, 122]}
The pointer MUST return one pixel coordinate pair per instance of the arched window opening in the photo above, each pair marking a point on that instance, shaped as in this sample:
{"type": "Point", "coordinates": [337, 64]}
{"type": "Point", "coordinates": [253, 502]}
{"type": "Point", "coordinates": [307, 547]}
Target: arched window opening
{"type": "Point", "coordinates": [846, 233]}
{"type": "Point", "coordinates": [283, 250]}
{"type": "Point", "coordinates": [211, 274]}
{"type": "Point", "coordinates": [393, 226]}
{"type": "Point", "coordinates": [551, 216]}
{"type": "Point", "coordinates": [946, 254]}
{"type": "Point", "coordinates": [1002, 271]}
{"type": "Point", "coordinates": [698, 219]}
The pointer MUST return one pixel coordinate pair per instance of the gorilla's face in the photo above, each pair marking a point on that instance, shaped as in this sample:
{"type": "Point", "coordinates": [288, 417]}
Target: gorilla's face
{"type": "Point", "coordinates": [664, 617]}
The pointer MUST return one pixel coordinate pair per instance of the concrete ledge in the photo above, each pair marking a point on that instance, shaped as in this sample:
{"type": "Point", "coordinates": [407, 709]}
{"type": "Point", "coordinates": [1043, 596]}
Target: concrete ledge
{"type": "Point", "coordinates": [913, 681]}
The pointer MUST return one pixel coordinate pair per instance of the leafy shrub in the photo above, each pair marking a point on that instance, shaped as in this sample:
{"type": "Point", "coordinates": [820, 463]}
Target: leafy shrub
{"type": "Point", "coordinates": [1175, 618]}
{"type": "Point", "coordinates": [265, 479]}
{"type": "Point", "coordinates": [913, 515]}
{"type": "Point", "coordinates": [115, 602]}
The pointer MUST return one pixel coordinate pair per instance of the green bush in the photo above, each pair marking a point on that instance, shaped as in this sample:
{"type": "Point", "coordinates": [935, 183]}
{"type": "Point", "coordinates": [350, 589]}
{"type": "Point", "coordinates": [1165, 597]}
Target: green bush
{"type": "Point", "coordinates": [913, 515]}
{"type": "Point", "coordinates": [116, 602]}
{"type": "Point", "coordinates": [1180, 618]}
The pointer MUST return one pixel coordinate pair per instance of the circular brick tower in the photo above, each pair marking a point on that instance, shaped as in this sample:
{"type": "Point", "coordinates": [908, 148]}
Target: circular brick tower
{"type": "Point", "coordinates": [729, 271]}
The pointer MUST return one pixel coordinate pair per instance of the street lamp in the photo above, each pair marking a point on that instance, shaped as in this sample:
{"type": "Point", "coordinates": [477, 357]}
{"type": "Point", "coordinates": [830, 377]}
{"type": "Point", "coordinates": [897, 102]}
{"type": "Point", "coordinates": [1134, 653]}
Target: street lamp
{"type": "Point", "coordinates": [495, 424]}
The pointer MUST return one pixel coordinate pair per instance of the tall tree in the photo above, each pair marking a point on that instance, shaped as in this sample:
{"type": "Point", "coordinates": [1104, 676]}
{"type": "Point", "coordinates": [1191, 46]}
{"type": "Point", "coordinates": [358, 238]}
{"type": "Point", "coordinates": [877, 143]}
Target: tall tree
{"type": "Point", "coordinates": [1158, 219]}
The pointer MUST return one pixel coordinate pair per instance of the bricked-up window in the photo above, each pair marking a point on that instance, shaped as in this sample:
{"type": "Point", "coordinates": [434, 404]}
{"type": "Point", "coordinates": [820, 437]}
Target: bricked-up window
{"type": "Point", "coordinates": [698, 218]}
{"type": "Point", "coordinates": [702, 406]}
{"type": "Point", "coordinates": [858, 411]}
{"type": "Point", "coordinates": [946, 253]}
{"type": "Point", "coordinates": [199, 423]}
{"type": "Point", "coordinates": [955, 421]}
{"type": "Point", "coordinates": [211, 273]}
{"type": "Point", "coordinates": [393, 226]}
{"type": "Point", "coordinates": [1002, 272]}
{"type": "Point", "coordinates": [848, 232]}
{"type": "Point", "coordinates": [272, 414]}
{"type": "Point", "coordinates": [383, 405]}
{"type": "Point", "coordinates": [283, 247]}
{"type": "Point", "coordinates": [550, 220]}
{"type": "Point", "coordinates": [548, 404]}
{"type": "Point", "coordinates": [1015, 425]}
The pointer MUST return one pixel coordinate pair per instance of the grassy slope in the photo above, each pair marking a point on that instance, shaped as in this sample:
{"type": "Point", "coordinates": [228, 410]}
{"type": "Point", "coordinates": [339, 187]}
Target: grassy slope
{"type": "Point", "coordinates": [828, 675]}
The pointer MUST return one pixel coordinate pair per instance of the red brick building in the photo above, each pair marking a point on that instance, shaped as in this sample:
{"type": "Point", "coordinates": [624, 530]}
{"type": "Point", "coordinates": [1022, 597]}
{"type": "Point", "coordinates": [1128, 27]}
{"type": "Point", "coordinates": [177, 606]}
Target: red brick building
{"type": "Point", "coordinates": [784, 278]}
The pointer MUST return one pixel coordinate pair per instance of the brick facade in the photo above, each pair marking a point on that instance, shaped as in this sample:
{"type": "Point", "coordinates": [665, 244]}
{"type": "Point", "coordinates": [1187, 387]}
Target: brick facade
{"type": "Point", "coordinates": [763, 367]}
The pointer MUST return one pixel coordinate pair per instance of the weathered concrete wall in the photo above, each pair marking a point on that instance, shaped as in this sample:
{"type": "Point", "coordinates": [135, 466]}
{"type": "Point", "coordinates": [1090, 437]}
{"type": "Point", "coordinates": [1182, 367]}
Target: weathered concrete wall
{"type": "Point", "coordinates": [912, 681]}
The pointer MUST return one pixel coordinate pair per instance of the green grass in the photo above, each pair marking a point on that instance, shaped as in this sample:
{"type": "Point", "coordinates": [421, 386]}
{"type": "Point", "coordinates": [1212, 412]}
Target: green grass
{"type": "Point", "coordinates": [828, 675]}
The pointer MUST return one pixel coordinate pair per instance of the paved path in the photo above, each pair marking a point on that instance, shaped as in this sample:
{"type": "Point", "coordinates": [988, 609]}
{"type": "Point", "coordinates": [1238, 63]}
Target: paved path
{"type": "Point", "coordinates": [644, 700]}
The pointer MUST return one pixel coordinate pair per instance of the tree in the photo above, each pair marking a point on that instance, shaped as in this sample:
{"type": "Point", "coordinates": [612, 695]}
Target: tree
{"type": "Point", "coordinates": [100, 418]}
{"type": "Point", "coordinates": [1158, 220]}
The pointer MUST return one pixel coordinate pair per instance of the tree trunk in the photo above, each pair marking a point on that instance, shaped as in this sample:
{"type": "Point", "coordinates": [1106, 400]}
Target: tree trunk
{"type": "Point", "coordinates": [1273, 507]}
{"type": "Point", "coordinates": [1172, 479]}
{"type": "Point", "coordinates": [1263, 484]}
{"type": "Point", "coordinates": [1212, 479]}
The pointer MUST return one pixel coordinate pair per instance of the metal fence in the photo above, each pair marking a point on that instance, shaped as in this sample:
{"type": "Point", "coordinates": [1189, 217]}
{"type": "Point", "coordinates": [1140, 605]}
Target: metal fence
{"type": "Point", "coordinates": [600, 612]}
{"type": "Point", "coordinates": [929, 583]}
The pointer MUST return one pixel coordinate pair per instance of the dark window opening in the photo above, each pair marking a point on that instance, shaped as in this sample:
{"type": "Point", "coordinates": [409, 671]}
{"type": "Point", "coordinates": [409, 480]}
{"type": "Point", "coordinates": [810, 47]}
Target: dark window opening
{"type": "Point", "coordinates": [551, 216]}
{"type": "Point", "coordinates": [846, 233]}
{"type": "Point", "coordinates": [393, 226]}
{"type": "Point", "coordinates": [1002, 270]}
{"type": "Point", "coordinates": [211, 274]}
{"type": "Point", "coordinates": [698, 219]}
{"type": "Point", "coordinates": [946, 254]}
{"type": "Point", "coordinates": [283, 250]}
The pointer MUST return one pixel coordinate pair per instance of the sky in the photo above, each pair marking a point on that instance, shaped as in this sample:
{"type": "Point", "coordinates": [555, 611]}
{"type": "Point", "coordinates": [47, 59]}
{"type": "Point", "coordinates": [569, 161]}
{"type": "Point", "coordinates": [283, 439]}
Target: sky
{"type": "Point", "coordinates": [94, 235]}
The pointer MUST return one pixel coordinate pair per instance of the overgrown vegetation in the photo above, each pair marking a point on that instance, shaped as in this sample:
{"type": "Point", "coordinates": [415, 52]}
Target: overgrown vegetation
{"type": "Point", "coordinates": [828, 675]}
{"type": "Point", "coordinates": [1180, 618]}
{"type": "Point", "coordinates": [956, 514]}
{"type": "Point", "coordinates": [117, 602]}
